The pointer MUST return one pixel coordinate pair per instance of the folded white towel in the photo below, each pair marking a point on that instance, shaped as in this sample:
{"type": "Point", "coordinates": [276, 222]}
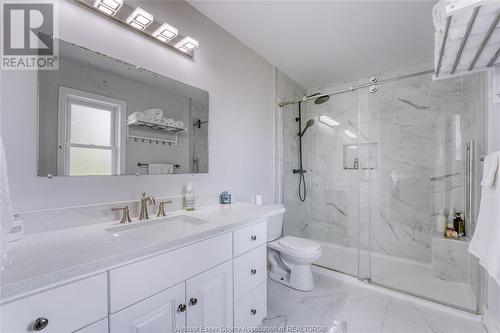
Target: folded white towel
{"type": "Point", "coordinates": [5, 202]}
{"type": "Point", "coordinates": [160, 169]}
{"type": "Point", "coordinates": [485, 243]}
{"type": "Point", "coordinates": [156, 113]}
{"type": "Point", "coordinates": [150, 119]}
{"type": "Point", "coordinates": [180, 124]}
{"type": "Point", "coordinates": [171, 122]}
{"type": "Point", "coordinates": [164, 121]}
{"type": "Point", "coordinates": [135, 117]}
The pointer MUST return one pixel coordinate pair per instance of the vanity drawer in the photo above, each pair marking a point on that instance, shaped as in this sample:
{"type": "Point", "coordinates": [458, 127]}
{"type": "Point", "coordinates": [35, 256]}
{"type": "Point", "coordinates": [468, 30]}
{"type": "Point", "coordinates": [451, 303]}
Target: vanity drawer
{"type": "Point", "coordinates": [249, 271]}
{"type": "Point", "coordinates": [67, 308]}
{"type": "Point", "coordinates": [100, 327]}
{"type": "Point", "coordinates": [250, 237]}
{"type": "Point", "coordinates": [251, 309]}
{"type": "Point", "coordinates": [132, 283]}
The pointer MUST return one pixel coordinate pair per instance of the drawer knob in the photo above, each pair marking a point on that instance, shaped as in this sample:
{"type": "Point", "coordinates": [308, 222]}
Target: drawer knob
{"type": "Point", "coordinates": [253, 271]}
{"type": "Point", "coordinates": [193, 301]}
{"type": "Point", "coordinates": [181, 307]}
{"type": "Point", "coordinates": [253, 237]}
{"type": "Point", "coordinates": [253, 312]}
{"type": "Point", "coordinates": [40, 324]}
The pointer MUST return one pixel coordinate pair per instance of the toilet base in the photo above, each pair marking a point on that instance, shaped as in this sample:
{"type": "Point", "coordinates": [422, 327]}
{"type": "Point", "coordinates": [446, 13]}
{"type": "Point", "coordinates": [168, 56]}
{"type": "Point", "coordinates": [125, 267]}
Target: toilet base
{"type": "Point", "coordinates": [298, 277]}
{"type": "Point", "coordinates": [297, 285]}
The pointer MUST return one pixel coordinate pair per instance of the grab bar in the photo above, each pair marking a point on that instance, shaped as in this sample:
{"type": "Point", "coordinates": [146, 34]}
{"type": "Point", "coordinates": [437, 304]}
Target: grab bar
{"type": "Point", "coordinates": [469, 172]}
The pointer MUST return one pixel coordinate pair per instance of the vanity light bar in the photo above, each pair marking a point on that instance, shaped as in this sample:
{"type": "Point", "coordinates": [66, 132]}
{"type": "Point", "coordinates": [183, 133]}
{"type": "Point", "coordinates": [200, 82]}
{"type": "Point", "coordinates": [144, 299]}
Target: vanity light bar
{"type": "Point", "coordinates": [329, 121]}
{"type": "Point", "coordinates": [142, 22]}
{"type": "Point", "coordinates": [140, 19]}
{"type": "Point", "coordinates": [109, 7]}
{"type": "Point", "coordinates": [165, 32]}
{"type": "Point", "coordinates": [187, 44]}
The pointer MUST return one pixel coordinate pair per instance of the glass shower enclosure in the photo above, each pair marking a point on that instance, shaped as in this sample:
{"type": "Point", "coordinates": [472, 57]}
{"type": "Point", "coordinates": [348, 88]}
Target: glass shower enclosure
{"type": "Point", "coordinates": [397, 154]}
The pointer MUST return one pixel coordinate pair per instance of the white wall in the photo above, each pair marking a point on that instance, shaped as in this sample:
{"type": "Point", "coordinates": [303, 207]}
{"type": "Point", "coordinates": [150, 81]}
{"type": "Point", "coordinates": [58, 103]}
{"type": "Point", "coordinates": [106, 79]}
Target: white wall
{"type": "Point", "coordinates": [240, 84]}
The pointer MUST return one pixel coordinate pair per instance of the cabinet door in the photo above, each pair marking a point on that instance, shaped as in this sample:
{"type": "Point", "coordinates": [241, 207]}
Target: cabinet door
{"type": "Point", "coordinates": [210, 297]}
{"type": "Point", "coordinates": [161, 313]}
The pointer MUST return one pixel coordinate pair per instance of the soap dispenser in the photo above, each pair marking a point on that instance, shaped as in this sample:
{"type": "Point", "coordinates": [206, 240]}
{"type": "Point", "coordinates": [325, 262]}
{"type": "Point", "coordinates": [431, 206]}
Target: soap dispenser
{"type": "Point", "coordinates": [189, 197]}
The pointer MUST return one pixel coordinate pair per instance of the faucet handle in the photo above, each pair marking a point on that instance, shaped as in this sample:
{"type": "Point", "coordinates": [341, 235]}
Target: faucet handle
{"type": "Point", "coordinates": [126, 214]}
{"type": "Point", "coordinates": [161, 208]}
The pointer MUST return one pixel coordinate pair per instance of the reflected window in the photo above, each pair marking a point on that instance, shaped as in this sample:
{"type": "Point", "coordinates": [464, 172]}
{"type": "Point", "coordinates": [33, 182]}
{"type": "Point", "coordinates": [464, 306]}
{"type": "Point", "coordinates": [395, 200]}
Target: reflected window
{"type": "Point", "coordinates": [90, 133]}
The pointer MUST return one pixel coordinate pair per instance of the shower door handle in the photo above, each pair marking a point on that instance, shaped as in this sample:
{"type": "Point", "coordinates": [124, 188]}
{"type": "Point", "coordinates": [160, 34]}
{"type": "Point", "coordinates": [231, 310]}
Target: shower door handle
{"type": "Point", "coordinates": [469, 180]}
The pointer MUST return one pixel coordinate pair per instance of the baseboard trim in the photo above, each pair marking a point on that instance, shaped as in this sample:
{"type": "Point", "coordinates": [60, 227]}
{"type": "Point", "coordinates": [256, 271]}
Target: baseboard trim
{"type": "Point", "coordinates": [492, 326]}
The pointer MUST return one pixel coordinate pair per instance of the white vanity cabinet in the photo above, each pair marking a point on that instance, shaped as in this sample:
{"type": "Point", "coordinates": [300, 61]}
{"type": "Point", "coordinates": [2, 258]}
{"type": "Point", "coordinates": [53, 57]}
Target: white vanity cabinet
{"type": "Point", "coordinates": [250, 275]}
{"type": "Point", "coordinates": [210, 283]}
{"type": "Point", "coordinates": [162, 313]}
{"type": "Point", "coordinates": [66, 308]}
{"type": "Point", "coordinates": [209, 297]}
{"type": "Point", "coordinates": [205, 300]}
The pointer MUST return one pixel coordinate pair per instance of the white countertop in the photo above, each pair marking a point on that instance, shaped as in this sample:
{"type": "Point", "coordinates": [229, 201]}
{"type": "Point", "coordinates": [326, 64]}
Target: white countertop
{"type": "Point", "coordinates": [41, 260]}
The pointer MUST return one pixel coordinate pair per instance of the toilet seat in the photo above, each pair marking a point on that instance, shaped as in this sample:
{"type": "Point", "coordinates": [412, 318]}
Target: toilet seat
{"type": "Point", "coordinates": [298, 244]}
{"type": "Point", "coordinates": [290, 246]}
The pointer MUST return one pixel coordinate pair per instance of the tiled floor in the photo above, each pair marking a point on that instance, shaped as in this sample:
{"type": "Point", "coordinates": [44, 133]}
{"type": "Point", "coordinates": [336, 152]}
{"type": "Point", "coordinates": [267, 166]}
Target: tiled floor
{"type": "Point", "coordinates": [339, 306]}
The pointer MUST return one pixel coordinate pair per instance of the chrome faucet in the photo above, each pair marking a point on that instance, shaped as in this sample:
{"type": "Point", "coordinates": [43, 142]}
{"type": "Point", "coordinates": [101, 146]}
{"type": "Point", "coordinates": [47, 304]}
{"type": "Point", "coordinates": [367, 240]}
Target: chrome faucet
{"type": "Point", "coordinates": [125, 216]}
{"type": "Point", "coordinates": [161, 208]}
{"type": "Point", "coordinates": [145, 200]}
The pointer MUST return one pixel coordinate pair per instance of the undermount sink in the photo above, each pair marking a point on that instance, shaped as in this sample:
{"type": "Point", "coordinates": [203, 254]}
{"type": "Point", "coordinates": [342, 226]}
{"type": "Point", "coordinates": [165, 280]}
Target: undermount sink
{"type": "Point", "coordinates": [172, 222]}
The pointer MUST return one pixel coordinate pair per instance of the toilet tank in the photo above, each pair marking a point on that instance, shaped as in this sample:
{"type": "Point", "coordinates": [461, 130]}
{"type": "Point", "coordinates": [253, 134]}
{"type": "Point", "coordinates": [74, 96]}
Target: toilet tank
{"type": "Point", "coordinates": [274, 226]}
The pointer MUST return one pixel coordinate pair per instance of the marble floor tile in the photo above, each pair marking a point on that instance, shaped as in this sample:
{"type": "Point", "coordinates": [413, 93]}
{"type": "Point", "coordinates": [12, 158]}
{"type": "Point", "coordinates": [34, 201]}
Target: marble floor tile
{"type": "Point", "coordinates": [339, 306]}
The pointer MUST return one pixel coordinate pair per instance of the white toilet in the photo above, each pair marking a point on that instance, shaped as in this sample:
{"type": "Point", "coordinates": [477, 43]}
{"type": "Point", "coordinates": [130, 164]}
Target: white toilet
{"type": "Point", "coordinates": [290, 258]}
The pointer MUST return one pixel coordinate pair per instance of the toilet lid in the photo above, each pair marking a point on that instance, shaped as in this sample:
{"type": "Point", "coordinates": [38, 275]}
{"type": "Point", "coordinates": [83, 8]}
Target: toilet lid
{"type": "Point", "coordinates": [299, 244]}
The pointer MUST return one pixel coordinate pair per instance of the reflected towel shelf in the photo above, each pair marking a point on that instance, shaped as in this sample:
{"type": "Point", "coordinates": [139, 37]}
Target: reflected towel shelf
{"type": "Point", "coordinates": [158, 126]}
{"type": "Point", "coordinates": [151, 140]}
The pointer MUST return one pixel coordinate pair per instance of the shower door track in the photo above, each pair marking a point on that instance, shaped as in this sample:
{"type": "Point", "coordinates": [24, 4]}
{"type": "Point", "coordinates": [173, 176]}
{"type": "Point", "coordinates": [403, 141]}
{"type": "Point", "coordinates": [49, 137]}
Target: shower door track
{"type": "Point", "coordinates": [353, 88]}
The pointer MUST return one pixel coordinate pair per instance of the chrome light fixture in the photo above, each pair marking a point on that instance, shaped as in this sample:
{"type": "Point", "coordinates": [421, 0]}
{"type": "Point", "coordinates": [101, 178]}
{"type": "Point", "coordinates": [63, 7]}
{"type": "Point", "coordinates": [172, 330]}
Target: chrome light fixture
{"type": "Point", "coordinates": [165, 33]}
{"type": "Point", "coordinates": [187, 44]}
{"type": "Point", "coordinates": [142, 22]}
{"type": "Point", "coordinates": [140, 19]}
{"type": "Point", "coordinates": [109, 7]}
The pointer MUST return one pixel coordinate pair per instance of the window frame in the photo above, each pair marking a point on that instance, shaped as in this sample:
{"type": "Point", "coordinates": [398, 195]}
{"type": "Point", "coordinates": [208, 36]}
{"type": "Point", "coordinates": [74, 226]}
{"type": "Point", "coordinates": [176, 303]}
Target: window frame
{"type": "Point", "coordinates": [118, 109]}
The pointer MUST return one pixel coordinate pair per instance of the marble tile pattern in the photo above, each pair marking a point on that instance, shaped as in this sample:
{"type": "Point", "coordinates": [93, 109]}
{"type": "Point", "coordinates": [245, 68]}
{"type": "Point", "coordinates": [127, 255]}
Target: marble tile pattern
{"type": "Point", "coordinates": [450, 259]}
{"type": "Point", "coordinates": [296, 211]}
{"type": "Point", "coordinates": [391, 209]}
{"type": "Point", "coordinates": [337, 306]}
{"type": "Point", "coordinates": [68, 217]}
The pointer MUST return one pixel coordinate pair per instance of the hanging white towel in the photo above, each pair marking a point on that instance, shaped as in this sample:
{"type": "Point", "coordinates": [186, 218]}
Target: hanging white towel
{"type": "Point", "coordinates": [160, 169]}
{"type": "Point", "coordinates": [5, 202]}
{"type": "Point", "coordinates": [485, 243]}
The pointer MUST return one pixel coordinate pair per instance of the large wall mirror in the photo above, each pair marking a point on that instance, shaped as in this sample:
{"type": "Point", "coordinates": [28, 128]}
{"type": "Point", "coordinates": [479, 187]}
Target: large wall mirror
{"type": "Point", "coordinates": [102, 116]}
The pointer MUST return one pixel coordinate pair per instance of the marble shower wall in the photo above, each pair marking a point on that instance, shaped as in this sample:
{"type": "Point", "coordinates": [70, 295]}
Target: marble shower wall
{"type": "Point", "coordinates": [295, 219]}
{"type": "Point", "coordinates": [419, 162]}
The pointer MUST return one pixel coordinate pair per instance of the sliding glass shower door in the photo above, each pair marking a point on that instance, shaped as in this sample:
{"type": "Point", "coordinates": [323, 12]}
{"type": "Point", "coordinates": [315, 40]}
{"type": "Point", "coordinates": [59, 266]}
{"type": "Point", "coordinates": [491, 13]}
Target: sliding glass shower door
{"type": "Point", "coordinates": [425, 139]}
{"type": "Point", "coordinates": [382, 162]}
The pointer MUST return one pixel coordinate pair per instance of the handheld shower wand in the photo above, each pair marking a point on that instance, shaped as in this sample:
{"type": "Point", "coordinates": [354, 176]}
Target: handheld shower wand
{"type": "Point", "coordinates": [300, 170]}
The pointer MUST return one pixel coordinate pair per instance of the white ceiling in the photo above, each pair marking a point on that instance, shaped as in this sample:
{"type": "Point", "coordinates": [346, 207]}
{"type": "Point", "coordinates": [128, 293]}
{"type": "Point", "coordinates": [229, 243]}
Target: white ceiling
{"type": "Point", "coordinates": [321, 42]}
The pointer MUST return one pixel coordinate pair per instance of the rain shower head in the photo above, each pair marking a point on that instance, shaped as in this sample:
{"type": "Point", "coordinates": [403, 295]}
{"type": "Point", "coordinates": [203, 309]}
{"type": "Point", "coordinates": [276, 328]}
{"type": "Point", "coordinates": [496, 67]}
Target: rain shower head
{"type": "Point", "coordinates": [309, 123]}
{"type": "Point", "coordinates": [321, 100]}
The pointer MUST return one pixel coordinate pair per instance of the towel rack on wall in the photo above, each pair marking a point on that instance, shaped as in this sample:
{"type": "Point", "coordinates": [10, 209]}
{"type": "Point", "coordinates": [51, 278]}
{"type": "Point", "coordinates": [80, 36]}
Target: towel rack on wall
{"type": "Point", "coordinates": [145, 165]}
{"type": "Point", "coordinates": [467, 36]}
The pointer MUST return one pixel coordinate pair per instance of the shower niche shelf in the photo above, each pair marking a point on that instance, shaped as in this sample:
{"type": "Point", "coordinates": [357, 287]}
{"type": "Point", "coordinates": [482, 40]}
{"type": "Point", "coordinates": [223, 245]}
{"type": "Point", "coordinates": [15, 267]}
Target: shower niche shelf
{"type": "Point", "coordinates": [363, 156]}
